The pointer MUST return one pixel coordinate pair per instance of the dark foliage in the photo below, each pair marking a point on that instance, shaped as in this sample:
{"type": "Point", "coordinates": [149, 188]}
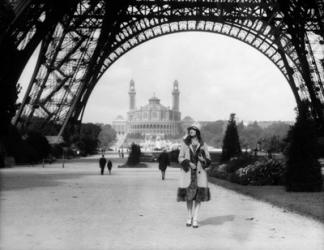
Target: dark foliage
{"type": "Point", "coordinates": [85, 138]}
{"type": "Point", "coordinates": [134, 155]}
{"type": "Point", "coordinates": [57, 151]}
{"type": "Point", "coordinates": [231, 142]}
{"type": "Point", "coordinates": [239, 162]}
{"type": "Point", "coordinates": [39, 143]}
{"type": "Point", "coordinates": [303, 167]}
{"type": "Point", "coordinates": [249, 170]}
{"type": "Point", "coordinates": [32, 149]}
{"type": "Point", "coordinates": [40, 124]}
{"type": "Point", "coordinates": [265, 172]}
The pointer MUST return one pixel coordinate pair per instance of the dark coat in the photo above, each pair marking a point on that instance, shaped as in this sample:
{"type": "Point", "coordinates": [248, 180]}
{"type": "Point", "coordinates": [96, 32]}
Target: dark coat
{"type": "Point", "coordinates": [109, 165]}
{"type": "Point", "coordinates": [163, 161]}
{"type": "Point", "coordinates": [102, 162]}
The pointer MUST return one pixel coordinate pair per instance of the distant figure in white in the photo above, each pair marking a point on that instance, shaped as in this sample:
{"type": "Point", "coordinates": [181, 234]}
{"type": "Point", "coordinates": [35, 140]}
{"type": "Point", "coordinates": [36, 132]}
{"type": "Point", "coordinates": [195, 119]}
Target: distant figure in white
{"type": "Point", "coordinates": [194, 159]}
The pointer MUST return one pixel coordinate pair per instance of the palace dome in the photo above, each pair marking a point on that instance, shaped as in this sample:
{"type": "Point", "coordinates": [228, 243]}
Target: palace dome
{"type": "Point", "coordinates": [119, 118]}
{"type": "Point", "coordinates": [154, 104]}
{"type": "Point", "coordinates": [188, 119]}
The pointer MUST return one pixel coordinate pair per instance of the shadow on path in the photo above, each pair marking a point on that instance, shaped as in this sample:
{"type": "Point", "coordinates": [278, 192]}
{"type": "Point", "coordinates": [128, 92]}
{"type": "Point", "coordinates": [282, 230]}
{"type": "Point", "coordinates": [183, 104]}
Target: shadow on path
{"type": "Point", "coordinates": [218, 220]}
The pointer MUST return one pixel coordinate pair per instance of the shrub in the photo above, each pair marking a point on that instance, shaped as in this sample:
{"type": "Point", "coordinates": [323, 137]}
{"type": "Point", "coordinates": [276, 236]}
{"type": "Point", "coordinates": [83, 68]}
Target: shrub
{"type": "Point", "coordinates": [266, 172]}
{"type": "Point", "coordinates": [261, 172]}
{"type": "Point", "coordinates": [236, 163]}
{"type": "Point", "coordinates": [218, 171]}
{"type": "Point", "coordinates": [134, 155]}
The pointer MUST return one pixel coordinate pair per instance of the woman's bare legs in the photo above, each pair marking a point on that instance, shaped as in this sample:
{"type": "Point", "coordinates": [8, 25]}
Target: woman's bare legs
{"type": "Point", "coordinates": [195, 214]}
{"type": "Point", "coordinates": [189, 209]}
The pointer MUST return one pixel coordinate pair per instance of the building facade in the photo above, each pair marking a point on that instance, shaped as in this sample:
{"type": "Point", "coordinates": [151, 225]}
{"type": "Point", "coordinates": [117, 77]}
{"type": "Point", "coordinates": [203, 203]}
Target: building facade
{"type": "Point", "coordinates": [153, 118]}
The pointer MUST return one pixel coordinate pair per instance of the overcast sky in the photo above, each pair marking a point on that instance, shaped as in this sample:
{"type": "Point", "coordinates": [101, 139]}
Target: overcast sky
{"type": "Point", "coordinates": [217, 76]}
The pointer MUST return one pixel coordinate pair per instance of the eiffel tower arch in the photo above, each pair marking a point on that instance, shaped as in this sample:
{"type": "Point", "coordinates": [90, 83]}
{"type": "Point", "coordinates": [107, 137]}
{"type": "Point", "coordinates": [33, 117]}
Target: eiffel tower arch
{"type": "Point", "coordinates": [82, 39]}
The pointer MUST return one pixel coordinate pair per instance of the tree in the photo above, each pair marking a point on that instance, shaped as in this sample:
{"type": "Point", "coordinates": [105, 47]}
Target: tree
{"type": "Point", "coordinates": [251, 135]}
{"type": "Point", "coordinates": [272, 144]}
{"type": "Point", "coordinates": [86, 140]}
{"type": "Point", "coordinates": [231, 143]}
{"type": "Point", "coordinates": [37, 124]}
{"type": "Point", "coordinates": [213, 133]}
{"type": "Point", "coordinates": [303, 167]}
{"type": "Point", "coordinates": [106, 136]}
{"type": "Point", "coordinates": [279, 129]}
{"type": "Point", "coordinates": [39, 143]}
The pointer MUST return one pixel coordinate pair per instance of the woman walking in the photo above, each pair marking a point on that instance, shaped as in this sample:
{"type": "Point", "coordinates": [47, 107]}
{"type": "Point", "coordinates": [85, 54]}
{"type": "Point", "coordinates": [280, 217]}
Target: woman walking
{"type": "Point", "coordinates": [194, 159]}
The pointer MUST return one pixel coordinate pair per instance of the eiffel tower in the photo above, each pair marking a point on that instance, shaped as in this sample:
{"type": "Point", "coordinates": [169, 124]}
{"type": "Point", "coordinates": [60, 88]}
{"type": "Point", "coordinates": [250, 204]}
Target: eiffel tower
{"type": "Point", "coordinates": [80, 39]}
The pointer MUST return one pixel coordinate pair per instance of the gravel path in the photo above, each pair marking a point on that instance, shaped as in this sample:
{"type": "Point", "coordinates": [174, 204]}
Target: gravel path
{"type": "Point", "coordinates": [76, 208]}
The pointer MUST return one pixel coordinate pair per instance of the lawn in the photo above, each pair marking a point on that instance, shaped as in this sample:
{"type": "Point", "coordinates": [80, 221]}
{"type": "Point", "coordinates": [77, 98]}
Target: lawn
{"type": "Point", "coordinates": [305, 203]}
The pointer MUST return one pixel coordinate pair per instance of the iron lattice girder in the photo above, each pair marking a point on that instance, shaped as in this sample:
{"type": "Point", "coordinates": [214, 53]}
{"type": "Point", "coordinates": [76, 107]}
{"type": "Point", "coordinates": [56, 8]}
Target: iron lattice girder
{"type": "Point", "coordinates": [31, 22]}
{"type": "Point", "coordinates": [217, 10]}
{"type": "Point", "coordinates": [62, 61]}
{"type": "Point", "coordinates": [261, 24]}
{"type": "Point", "coordinates": [137, 27]}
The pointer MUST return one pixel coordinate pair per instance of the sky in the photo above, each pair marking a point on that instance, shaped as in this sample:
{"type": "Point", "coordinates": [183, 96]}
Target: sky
{"type": "Point", "coordinates": [217, 76]}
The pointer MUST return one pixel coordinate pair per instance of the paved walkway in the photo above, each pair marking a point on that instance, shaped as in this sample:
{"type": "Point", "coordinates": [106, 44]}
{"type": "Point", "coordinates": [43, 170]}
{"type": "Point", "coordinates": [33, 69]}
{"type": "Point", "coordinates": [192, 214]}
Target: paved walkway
{"type": "Point", "coordinates": [76, 208]}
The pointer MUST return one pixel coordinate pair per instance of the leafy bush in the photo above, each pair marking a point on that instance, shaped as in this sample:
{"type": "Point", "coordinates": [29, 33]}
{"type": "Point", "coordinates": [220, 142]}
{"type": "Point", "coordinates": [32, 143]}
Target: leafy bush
{"type": "Point", "coordinates": [218, 171]}
{"type": "Point", "coordinates": [239, 162]}
{"type": "Point", "coordinates": [267, 172]}
{"type": "Point", "coordinates": [247, 171]}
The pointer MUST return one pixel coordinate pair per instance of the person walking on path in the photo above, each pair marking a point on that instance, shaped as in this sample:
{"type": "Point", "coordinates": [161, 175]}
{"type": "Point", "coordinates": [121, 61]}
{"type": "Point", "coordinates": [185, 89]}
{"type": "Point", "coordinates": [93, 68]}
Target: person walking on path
{"type": "Point", "coordinates": [109, 166]}
{"type": "Point", "coordinates": [102, 164]}
{"type": "Point", "coordinates": [163, 162]}
{"type": "Point", "coordinates": [194, 159]}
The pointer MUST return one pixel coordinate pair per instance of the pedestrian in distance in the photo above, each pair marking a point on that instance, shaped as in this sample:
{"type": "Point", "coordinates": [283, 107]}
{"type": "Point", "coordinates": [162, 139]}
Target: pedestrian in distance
{"type": "Point", "coordinates": [109, 166]}
{"type": "Point", "coordinates": [194, 159]}
{"type": "Point", "coordinates": [102, 164]}
{"type": "Point", "coordinates": [164, 161]}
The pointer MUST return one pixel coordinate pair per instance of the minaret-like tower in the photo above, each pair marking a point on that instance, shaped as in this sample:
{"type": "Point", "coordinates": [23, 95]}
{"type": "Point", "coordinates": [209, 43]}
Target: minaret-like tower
{"type": "Point", "coordinates": [175, 96]}
{"type": "Point", "coordinates": [132, 94]}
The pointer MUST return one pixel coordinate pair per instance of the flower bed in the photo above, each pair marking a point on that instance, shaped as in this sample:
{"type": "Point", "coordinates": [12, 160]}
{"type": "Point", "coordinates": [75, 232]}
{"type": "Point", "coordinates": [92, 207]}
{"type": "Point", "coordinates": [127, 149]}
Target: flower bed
{"type": "Point", "coordinates": [251, 172]}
